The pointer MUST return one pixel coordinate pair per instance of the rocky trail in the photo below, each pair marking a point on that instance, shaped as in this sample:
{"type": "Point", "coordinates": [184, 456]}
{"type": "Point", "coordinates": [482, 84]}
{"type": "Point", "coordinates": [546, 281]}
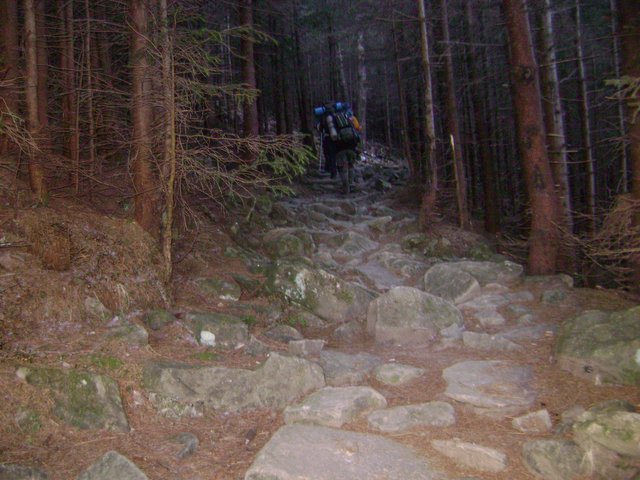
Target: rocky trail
{"type": "Point", "coordinates": [334, 341]}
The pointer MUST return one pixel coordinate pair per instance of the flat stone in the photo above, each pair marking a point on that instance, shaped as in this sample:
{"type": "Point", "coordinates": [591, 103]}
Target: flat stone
{"type": "Point", "coordinates": [180, 387]}
{"type": "Point", "coordinates": [488, 317]}
{"type": "Point", "coordinates": [297, 452]}
{"type": "Point", "coordinates": [229, 331]}
{"type": "Point", "coordinates": [534, 422]}
{"type": "Point", "coordinates": [398, 419]}
{"type": "Point", "coordinates": [306, 347]}
{"type": "Point", "coordinates": [110, 466]}
{"type": "Point", "coordinates": [490, 301]}
{"type": "Point", "coordinates": [380, 276]}
{"type": "Point", "coordinates": [396, 373]}
{"type": "Point", "coordinates": [554, 459]}
{"type": "Point", "coordinates": [10, 471]}
{"type": "Point", "coordinates": [283, 333]}
{"type": "Point", "coordinates": [472, 455]}
{"type": "Point", "coordinates": [341, 369]}
{"type": "Point", "coordinates": [495, 387]}
{"type": "Point", "coordinates": [348, 331]}
{"type": "Point", "coordinates": [484, 341]}
{"type": "Point", "coordinates": [334, 406]}
{"type": "Point", "coordinates": [407, 315]}
{"type": "Point", "coordinates": [220, 289]}
{"type": "Point", "coordinates": [504, 273]}
{"type": "Point", "coordinates": [131, 334]}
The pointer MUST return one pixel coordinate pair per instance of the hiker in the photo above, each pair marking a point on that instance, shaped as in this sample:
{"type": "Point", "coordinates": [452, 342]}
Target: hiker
{"type": "Point", "coordinates": [339, 138]}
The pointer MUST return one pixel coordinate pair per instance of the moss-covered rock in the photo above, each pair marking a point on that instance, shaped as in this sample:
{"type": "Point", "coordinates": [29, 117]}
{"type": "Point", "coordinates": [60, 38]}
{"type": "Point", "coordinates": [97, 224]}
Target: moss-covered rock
{"type": "Point", "coordinates": [229, 330]}
{"type": "Point", "coordinates": [82, 399]}
{"type": "Point", "coordinates": [158, 318]}
{"type": "Point", "coordinates": [601, 346]}
{"type": "Point", "coordinates": [220, 288]}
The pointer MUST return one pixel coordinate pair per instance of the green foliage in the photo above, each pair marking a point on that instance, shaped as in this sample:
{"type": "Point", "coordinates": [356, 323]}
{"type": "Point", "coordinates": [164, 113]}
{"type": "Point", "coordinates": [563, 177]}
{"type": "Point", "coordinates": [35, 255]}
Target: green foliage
{"type": "Point", "coordinates": [106, 363]}
{"type": "Point", "coordinates": [206, 356]}
{"type": "Point", "coordinates": [296, 321]}
{"type": "Point", "coordinates": [249, 320]}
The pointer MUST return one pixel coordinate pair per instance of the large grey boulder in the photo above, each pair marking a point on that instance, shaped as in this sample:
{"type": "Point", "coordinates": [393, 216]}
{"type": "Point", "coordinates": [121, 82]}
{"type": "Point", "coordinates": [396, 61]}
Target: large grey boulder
{"type": "Point", "coordinates": [301, 452]}
{"type": "Point", "coordinates": [275, 384]}
{"type": "Point", "coordinates": [82, 399]}
{"type": "Point", "coordinates": [398, 419]}
{"type": "Point", "coordinates": [407, 315]}
{"type": "Point", "coordinates": [334, 406]}
{"type": "Point", "coordinates": [318, 291]}
{"type": "Point", "coordinates": [110, 466]}
{"type": "Point", "coordinates": [604, 347]}
{"type": "Point", "coordinates": [12, 471]}
{"type": "Point", "coordinates": [503, 273]}
{"type": "Point", "coordinates": [228, 330]}
{"type": "Point", "coordinates": [448, 281]}
{"type": "Point", "coordinates": [341, 369]}
{"type": "Point", "coordinates": [554, 459]}
{"type": "Point", "coordinates": [493, 387]}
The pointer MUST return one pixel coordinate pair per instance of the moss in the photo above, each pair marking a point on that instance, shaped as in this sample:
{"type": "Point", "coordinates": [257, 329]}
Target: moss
{"type": "Point", "coordinates": [106, 363]}
{"type": "Point", "coordinates": [206, 356]}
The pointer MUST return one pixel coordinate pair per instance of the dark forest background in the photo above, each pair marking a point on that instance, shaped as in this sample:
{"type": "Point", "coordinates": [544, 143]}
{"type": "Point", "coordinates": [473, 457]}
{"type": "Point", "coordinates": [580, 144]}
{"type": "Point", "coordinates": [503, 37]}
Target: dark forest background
{"type": "Point", "coordinates": [521, 114]}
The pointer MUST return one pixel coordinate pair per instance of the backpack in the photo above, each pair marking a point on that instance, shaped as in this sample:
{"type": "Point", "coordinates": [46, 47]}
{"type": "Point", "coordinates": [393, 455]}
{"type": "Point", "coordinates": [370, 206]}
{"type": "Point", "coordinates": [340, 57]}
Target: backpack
{"type": "Point", "coordinates": [340, 128]}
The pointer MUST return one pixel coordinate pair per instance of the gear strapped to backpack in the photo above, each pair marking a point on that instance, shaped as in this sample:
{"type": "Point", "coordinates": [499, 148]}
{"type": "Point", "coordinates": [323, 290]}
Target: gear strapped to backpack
{"type": "Point", "coordinates": [337, 123]}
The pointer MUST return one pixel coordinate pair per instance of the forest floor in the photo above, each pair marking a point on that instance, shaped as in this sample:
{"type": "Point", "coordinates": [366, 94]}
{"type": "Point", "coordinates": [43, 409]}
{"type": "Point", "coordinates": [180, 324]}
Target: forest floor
{"type": "Point", "coordinates": [47, 318]}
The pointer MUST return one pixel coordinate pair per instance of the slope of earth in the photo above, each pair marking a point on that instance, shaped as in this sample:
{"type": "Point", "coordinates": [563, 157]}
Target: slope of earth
{"type": "Point", "coordinates": [312, 279]}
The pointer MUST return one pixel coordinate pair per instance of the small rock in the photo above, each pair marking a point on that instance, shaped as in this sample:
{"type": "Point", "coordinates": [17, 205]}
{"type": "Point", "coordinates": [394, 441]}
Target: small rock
{"type": "Point", "coordinates": [112, 465]}
{"type": "Point", "coordinates": [131, 334]}
{"type": "Point", "coordinates": [342, 369]}
{"type": "Point", "coordinates": [95, 308]}
{"type": "Point", "coordinates": [283, 333]}
{"type": "Point", "coordinates": [396, 373]}
{"type": "Point", "coordinates": [207, 338]}
{"type": "Point", "coordinates": [397, 419]}
{"type": "Point", "coordinates": [256, 347]}
{"type": "Point", "coordinates": [534, 422]}
{"type": "Point", "coordinates": [156, 319]}
{"type": "Point", "coordinates": [189, 444]}
{"type": "Point", "coordinates": [553, 297]}
{"type": "Point", "coordinates": [9, 471]}
{"type": "Point", "coordinates": [472, 455]}
{"type": "Point", "coordinates": [220, 289]}
{"type": "Point", "coordinates": [348, 331]}
{"type": "Point", "coordinates": [484, 341]}
{"type": "Point", "coordinates": [306, 347]}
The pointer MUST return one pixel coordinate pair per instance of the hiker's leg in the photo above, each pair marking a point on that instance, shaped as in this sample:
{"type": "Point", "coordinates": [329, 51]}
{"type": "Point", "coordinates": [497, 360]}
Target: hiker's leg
{"type": "Point", "coordinates": [342, 163]}
{"type": "Point", "coordinates": [330, 157]}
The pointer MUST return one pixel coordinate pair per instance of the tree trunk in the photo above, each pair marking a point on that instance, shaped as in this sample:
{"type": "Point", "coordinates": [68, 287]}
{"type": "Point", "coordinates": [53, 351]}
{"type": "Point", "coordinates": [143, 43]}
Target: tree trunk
{"type": "Point", "coordinates": [615, 31]}
{"type": "Point", "coordinates": [36, 172]}
{"type": "Point", "coordinates": [362, 88]}
{"type": "Point", "coordinates": [404, 125]}
{"type": "Point", "coordinates": [43, 75]}
{"type": "Point", "coordinates": [9, 87]}
{"type": "Point", "coordinates": [585, 124]}
{"type": "Point", "coordinates": [489, 182]}
{"type": "Point", "coordinates": [303, 86]}
{"type": "Point", "coordinates": [144, 182]}
{"type": "Point", "coordinates": [89, 84]}
{"type": "Point", "coordinates": [452, 123]}
{"type": "Point", "coordinates": [169, 154]}
{"type": "Point", "coordinates": [250, 109]}
{"type": "Point", "coordinates": [543, 238]}
{"type": "Point", "coordinates": [629, 18]}
{"type": "Point", "coordinates": [69, 98]}
{"type": "Point", "coordinates": [429, 198]}
{"type": "Point", "coordinates": [554, 123]}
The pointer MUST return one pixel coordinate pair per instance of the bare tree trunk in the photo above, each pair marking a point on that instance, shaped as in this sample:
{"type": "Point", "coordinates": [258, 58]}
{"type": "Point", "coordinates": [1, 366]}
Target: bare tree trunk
{"type": "Point", "coordinates": [9, 87]}
{"type": "Point", "coordinates": [36, 172]}
{"type": "Point", "coordinates": [489, 183]}
{"type": "Point", "coordinates": [404, 125]}
{"type": "Point", "coordinates": [303, 86]}
{"type": "Point", "coordinates": [615, 30]}
{"type": "Point", "coordinates": [43, 75]}
{"type": "Point", "coordinates": [629, 18]}
{"type": "Point", "coordinates": [90, 112]}
{"type": "Point", "coordinates": [169, 160]}
{"type": "Point", "coordinates": [144, 183]}
{"type": "Point", "coordinates": [585, 125]}
{"type": "Point", "coordinates": [251, 123]}
{"type": "Point", "coordinates": [429, 197]}
{"type": "Point", "coordinates": [543, 238]}
{"type": "Point", "coordinates": [452, 123]}
{"type": "Point", "coordinates": [69, 98]}
{"type": "Point", "coordinates": [554, 123]}
{"type": "Point", "coordinates": [362, 88]}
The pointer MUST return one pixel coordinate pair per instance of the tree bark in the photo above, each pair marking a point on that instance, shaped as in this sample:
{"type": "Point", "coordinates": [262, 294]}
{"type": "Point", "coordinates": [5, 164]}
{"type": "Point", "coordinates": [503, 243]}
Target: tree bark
{"type": "Point", "coordinates": [303, 87]}
{"type": "Point", "coordinates": [9, 72]}
{"type": "Point", "coordinates": [144, 182]}
{"type": "Point", "coordinates": [251, 123]}
{"type": "Point", "coordinates": [489, 182]}
{"type": "Point", "coordinates": [543, 237]}
{"type": "Point", "coordinates": [89, 83]}
{"type": "Point", "coordinates": [585, 123]}
{"type": "Point", "coordinates": [43, 75]}
{"type": "Point", "coordinates": [615, 31]}
{"type": "Point", "coordinates": [452, 123]}
{"type": "Point", "coordinates": [429, 198]}
{"type": "Point", "coordinates": [629, 18]}
{"type": "Point", "coordinates": [554, 123]}
{"type": "Point", "coordinates": [36, 172]}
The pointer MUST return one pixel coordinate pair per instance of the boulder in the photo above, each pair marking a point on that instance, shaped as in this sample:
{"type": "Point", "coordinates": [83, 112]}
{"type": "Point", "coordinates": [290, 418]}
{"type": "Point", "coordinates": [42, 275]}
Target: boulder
{"type": "Point", "coordinates": [288, 242]}
{"type": "Point", "coordinates": [12, 471]}
{"type": "Point", "coordinates": [407, 315]}
{"type": "Point", "coordinates": [342, 369]}
{"type": "Point", "coordinates": [472, 455]}
{"type": "Point", "coordinates": [110, 466]}
{"type": "Point", "coordinates": [229, 331]}
{"type": "Point", "coordinates": [533, 422]}
{"type": "Point", "coordinates": [156, 319]}
{"type": "Point", "coordinates": [554, 459]}
{"type": "Point", "coordinates": [220, 289]}
{"type": "Point", "coordinates": [334, 406]}
{"type": "Point", "coordinates": [604, 347]}
{"type": "Point", "coordinates": [275, 384]}
{"type": "Point", "coordinates": [82, 399]}
{"type": "Point", "coordinates": [310, 452]}
{"type": "Point", "coordinates": [398, 419]}
{"type": "Point", "coordinates": [451, 283]}
{"type": "Point", "coordinates": [318, 291]}
{"type": "Point", "coordinates": [503, 273]}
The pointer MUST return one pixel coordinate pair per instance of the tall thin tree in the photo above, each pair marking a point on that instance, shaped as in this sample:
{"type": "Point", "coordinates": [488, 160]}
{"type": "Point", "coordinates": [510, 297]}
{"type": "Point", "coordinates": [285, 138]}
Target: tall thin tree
{"type": "Point", "coordinates": [9, 85]}
{"type": "Point", "coordinates": [251, 122]}
{"type": "Point", "coordinates": [543, 236]}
